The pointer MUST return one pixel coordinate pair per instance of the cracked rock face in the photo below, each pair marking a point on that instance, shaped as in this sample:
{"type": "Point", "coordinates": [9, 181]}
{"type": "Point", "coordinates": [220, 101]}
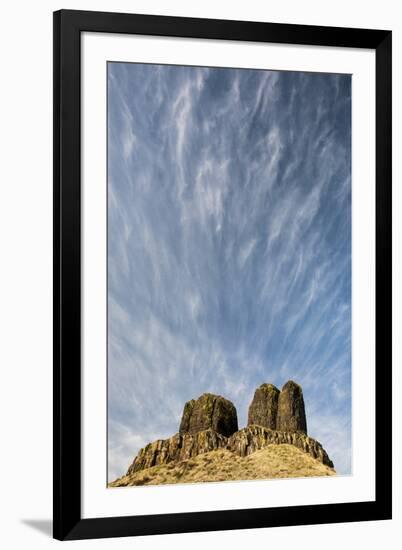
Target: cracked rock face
{"type": "Point", "coordinates": [176, 448]}
{"type": "Point", "coordinates": [263, 409]}
{"type": "Point", "coordinates": [253, 438]}
{"type": "Point", "coordinates": [242, 443]}
{"type": "Point", "coordinates": [291, 413]}
{"type": "Point", "coordinates": [209, 411]}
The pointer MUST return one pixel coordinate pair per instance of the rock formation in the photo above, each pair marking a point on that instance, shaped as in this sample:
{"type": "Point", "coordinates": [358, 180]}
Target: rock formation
{"type": "Point", "coordinates": [242, 443]}
{"type": "Point", "coordinates": [209, 424]}
{"type": "Point", "coordinates": [264, 407]}
{"type": "Point", "coordinates": [253, 438]}
{"type": "Point", "coordinates": [176, 448]}
{"type": "Point", "coordinates": [209, 411]}
{"type": "Point", "coordinates": [291, 414]}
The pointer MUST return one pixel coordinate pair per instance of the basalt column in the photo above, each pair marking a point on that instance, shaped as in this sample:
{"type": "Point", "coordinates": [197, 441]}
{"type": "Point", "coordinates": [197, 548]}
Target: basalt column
{"type": "Point", "coordinates": [263, 408]}
{"type": "Point", "coordinates": [209, 411]}
{"type": "Point", "coordinates": [291, 413]}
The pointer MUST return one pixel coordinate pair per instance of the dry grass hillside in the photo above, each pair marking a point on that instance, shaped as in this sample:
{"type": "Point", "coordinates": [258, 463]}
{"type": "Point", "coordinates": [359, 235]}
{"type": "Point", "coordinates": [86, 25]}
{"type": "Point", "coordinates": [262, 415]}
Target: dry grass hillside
{"type": "Point", "coordinates": [275, 461]}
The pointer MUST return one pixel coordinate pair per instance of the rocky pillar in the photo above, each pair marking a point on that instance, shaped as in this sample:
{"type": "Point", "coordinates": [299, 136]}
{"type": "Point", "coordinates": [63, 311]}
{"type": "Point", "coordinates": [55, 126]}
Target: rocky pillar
{"type": "Point", "coordinates": [291, 413]}
{"type": "Point", "coordinates": [209, 411]}
{"type": "Point", "coordinates": [263, 408]}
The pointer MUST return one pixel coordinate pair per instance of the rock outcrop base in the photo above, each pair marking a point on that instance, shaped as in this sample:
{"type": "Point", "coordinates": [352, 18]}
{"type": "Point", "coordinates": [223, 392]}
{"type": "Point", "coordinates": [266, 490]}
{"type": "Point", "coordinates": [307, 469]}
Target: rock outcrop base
{"type": "Point", "coordinates": [253, 438]}
{"type": "Point", "coordinates": [242, 443]}
{"type": "Point", "coordinates": [176, 448]}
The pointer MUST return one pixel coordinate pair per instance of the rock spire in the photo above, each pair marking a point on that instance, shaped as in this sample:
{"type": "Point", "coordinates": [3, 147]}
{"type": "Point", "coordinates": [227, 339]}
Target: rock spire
{"type": "Point", "coordinates": [291, 412]}
{"type": "Point", "coordinates": [209, 411]}
{"type": "Point", "coordinates": [263, 408]}
{"type": "Point", "coordinates": [278, 410]}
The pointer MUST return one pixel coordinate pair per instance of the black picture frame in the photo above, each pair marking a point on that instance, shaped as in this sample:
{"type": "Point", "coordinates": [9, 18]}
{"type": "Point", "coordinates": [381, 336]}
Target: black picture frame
{"type": "Point", "coordinates": [68, 26]}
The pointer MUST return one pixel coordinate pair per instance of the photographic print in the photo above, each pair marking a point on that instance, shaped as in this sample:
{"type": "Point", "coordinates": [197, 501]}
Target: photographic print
{"type": "Point", "coordinates": [229, 274]}
{"type": "Point", "coordinates": [202, 291]}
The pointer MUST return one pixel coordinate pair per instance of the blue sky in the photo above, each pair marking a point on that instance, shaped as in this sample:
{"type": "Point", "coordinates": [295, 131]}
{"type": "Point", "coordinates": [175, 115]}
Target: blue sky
{"type": "Point", "coordinates": [229, 247]}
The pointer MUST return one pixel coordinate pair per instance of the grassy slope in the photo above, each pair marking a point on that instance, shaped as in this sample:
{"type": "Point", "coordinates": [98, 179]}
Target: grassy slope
{"type": "Point", "coordinates": [275, 461]}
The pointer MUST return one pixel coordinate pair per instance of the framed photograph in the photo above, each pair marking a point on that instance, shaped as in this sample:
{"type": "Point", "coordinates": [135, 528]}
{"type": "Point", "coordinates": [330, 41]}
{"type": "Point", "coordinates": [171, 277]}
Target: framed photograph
{"type": "Point", "coordinates": [222, 274]}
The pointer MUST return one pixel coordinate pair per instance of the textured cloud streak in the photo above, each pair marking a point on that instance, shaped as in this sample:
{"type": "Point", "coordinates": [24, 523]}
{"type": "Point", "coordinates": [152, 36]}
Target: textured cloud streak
{"type": "Point", "coordinates": [229, 246]}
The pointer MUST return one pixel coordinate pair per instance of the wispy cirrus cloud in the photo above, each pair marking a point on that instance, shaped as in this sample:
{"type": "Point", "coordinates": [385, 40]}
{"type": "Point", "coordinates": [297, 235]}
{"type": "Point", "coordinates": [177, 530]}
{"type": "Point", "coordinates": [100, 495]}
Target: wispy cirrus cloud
{"type": "Point", "coordinates": [229, 249]}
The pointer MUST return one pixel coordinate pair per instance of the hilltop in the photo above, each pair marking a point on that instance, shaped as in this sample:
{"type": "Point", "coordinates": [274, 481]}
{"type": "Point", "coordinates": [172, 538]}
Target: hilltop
{"type": "Point", "coordinates": [275, 461]}
{"type": "Point", "coordinates": [210, 447]}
